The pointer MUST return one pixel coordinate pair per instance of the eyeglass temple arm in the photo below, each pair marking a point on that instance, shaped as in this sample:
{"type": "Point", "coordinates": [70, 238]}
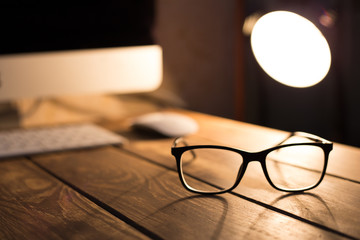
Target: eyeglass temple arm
{"type": "Point", "coordinates": [180, 139]}
{"type": "Point", "coordinates": [304, 135]}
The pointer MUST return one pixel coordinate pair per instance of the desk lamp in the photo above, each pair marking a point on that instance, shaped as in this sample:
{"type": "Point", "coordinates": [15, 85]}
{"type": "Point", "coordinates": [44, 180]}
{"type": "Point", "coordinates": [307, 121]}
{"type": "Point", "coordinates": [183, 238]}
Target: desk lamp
{"type": "Point", "coordinates": [290, 49]}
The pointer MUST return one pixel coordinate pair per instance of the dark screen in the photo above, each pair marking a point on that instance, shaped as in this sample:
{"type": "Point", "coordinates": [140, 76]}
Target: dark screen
{"type": "Point", "coordinates": [32, 26]}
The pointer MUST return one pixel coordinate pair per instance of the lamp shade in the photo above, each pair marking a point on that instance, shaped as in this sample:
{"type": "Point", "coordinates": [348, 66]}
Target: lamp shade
{"type": "Point", "coordinates": [290, 49]}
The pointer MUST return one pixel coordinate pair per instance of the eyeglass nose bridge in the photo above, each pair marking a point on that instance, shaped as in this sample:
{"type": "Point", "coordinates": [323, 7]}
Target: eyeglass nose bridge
{"type": "Point", "coordinates": [254, 156]}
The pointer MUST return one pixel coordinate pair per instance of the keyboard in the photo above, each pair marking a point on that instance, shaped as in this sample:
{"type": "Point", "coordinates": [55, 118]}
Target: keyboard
{"type": "Point", "coordinates": [23, 142]}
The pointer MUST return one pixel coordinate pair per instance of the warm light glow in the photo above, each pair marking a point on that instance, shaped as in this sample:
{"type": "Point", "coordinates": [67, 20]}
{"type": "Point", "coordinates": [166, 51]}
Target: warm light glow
{"type": "Point", "coordinates": [291, 49]}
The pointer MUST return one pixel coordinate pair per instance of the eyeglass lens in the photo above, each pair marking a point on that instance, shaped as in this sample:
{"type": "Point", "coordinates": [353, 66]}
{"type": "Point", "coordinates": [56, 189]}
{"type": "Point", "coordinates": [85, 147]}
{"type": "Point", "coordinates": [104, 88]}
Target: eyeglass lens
{"type": "Point", "coordinates": [295, 167]}
{"type": "Point", "coordinates": [209, 169]}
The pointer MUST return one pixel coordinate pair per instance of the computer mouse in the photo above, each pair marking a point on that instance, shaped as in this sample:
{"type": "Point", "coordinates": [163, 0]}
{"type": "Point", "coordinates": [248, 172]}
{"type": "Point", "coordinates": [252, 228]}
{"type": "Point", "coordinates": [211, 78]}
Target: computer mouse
{"type": "Point", "coordinates": [168, 124]}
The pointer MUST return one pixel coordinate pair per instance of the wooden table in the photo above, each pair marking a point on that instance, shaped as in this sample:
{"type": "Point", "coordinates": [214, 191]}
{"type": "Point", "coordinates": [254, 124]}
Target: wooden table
{"type": "Point", "coordinates": [133, 191]}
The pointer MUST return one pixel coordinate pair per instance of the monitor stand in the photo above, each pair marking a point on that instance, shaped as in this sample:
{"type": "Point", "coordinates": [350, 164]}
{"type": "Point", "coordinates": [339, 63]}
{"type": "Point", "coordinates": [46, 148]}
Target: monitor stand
{"type": "Point", "coordinates": [9, 116]}
{"type": "Point", "coordinates": [28, 113]}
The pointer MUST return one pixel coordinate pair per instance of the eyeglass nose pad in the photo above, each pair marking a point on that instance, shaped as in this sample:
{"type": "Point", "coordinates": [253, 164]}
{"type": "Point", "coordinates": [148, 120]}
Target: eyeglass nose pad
{"type": "Point", "coordinates": [239, 175]}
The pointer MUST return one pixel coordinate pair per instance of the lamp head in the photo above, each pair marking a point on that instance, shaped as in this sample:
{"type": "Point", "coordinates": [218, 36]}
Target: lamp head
{"type": "Point", "coordinates": [290, 49]}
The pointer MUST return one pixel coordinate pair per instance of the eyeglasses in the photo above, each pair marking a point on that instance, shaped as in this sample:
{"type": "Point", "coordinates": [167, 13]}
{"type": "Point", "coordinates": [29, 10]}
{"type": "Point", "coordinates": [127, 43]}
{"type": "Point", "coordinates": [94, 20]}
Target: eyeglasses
{"type": "Point", "coordinates": [296, 164]}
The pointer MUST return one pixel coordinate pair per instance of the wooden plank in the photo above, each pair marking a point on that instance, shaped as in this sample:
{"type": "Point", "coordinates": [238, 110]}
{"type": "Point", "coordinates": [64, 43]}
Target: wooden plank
{"type": "Point", "coordinates": [344, 160]}
{"type": "Point", "coordinates": [320, 205]}
{"type": "Point", "coordinates": [35, 205]}
{"type": "Point", "coordinates": [153, 197]}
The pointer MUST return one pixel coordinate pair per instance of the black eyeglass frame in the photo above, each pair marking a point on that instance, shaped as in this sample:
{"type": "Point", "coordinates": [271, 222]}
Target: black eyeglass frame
{"type": "Point", "coordinates": [248, 157]}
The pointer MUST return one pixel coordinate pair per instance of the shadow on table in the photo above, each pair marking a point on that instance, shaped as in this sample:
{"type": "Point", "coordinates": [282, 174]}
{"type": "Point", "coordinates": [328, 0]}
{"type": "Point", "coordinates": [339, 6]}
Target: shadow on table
{"type": "Point", "coordinates": [219, 224]}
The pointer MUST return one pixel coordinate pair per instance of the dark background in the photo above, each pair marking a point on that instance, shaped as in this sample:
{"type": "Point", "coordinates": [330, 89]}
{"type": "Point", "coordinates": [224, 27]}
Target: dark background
{"type": "Point", "coordinates": [330, 109]}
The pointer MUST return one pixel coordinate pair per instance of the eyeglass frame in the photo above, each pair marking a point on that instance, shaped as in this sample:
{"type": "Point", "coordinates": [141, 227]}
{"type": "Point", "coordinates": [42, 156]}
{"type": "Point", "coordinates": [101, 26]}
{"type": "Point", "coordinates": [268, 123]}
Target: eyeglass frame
{"type": "Point", "coordinates": [248, 157]}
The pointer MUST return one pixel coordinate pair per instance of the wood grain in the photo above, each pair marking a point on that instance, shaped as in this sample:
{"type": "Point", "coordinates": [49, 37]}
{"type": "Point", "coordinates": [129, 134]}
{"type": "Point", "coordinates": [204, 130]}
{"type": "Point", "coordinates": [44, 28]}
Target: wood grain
{"type": "Point", "coordinates": [152, 196]}
{"type": "Point", "coordinates": [34, 205]}
{"type": "Point", "coordinates": [344, 161]}
{"type": "Point", "coordinates": [320, 205]}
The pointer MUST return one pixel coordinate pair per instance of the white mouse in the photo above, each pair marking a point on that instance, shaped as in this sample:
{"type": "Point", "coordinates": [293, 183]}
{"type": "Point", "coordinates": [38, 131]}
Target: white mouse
{"type": "Point", "coordinates": [166, 123]}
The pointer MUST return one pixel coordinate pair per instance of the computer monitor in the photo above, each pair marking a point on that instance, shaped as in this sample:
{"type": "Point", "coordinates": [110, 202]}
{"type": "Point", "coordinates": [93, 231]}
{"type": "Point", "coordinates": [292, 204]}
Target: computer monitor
{"type": "Point", "coordinates": [97, 47]}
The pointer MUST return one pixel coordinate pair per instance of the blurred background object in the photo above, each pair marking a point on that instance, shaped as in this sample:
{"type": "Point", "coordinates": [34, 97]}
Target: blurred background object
{"type": "Point", "coordinates": [209, 66]}
{"type": "Point", "coordinates": [208, 63]}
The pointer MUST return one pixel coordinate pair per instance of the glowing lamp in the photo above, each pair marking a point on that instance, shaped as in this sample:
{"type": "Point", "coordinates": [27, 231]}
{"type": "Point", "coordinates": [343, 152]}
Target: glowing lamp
{"type": "Point", "coordinates": [290, 49]}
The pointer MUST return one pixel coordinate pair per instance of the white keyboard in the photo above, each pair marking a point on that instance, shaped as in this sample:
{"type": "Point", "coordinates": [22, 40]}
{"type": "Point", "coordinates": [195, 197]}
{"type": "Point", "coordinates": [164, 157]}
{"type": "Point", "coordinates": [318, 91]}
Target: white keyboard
{"type": "Point", "coordinates": [20, 142]}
